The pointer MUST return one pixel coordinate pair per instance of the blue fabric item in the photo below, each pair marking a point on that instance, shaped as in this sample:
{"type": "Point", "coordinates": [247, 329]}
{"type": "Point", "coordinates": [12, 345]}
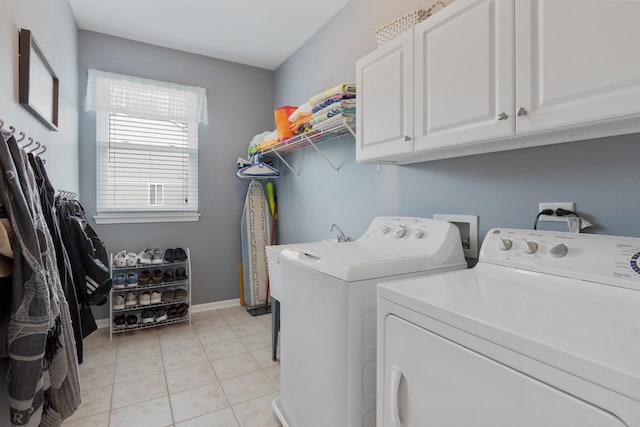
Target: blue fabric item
{"type": "Point", "coordinates": [331, 100]}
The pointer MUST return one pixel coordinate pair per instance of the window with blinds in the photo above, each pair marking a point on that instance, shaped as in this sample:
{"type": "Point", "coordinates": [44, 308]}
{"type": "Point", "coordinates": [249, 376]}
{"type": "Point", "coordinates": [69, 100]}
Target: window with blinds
{"type": "Point", "coordinates": [147, 147]}
{"type": "Point", "coordinates": [146, 165]}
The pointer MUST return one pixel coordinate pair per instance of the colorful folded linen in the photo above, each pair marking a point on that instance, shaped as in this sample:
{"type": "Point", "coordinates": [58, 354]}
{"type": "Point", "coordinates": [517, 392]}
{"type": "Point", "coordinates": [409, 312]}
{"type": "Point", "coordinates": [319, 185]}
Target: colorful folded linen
{"type": "Point", "coordinates": [303, 118]}
{"type": "Point", "coordinates": [341, 89]}
{"type": "Point", "coordinates": [331, 122]}
{"type": "Point", "coordinates": [347, 103]}
{"type": "Point", "coordinates": [330, 113]}
{"type": "Point", "coordinates": [331, 100]}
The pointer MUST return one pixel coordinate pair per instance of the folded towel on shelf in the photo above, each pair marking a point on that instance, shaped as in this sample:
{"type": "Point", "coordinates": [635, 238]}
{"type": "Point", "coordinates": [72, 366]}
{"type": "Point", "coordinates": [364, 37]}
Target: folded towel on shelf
{"type": "Point", "coordinates": [347, 103]}
{"type": "Point", "coordinates": [303, 118]}
{"type": "Point", "coordinates": [302, 110]}
{"type": "Point", "coordinates": [267, 144]}
{"type": "Point", "coordinates": [331, 122]}
{"type": "Point", "coordinates": [332, 100]}
{"type": "Point", "coordinates": [341, 89]}
{"type": "Point", "coordinates": [260, 139]}
{"type": "Point", "coordinates": [330, 113]}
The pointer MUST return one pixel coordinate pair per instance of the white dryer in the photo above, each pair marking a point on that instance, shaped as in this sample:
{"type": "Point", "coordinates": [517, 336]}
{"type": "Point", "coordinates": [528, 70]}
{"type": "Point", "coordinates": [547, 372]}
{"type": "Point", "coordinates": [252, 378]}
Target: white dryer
{"type": "Point", "coordinates": [328, 314]}
{"type": "Point", "coordinates": [544, 331]}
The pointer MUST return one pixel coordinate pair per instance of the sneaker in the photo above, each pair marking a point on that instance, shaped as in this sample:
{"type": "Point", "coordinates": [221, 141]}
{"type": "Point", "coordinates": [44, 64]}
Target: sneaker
{"type": "Point", "coordinates": [147, 317]}
{"type": "Point", "coordinates": [157, 276]}
{"type": "Point", "coordinates": [144, 277]}
{"type": "Point", "coordinates": [168, 295]}
{"type": "Point", "coordinates": [169, 275]}
{"type": "Point", "coordinates": [131, 299]}
{"type": "Point", "coordinates": [181, 293]}
{"type": "Point", "coordinates": [120, 260]}
{"type": "Point", "coordinates": [118, 302]}
{"type": "Point", "coordinates": [132, 320]}
{"type": "Point", "coordinates": [157, 256]}
{"type": "Point", "coordinates": [132, 259]}
{"type": "Point", "coordinates": [119, 321]}
{"type": "Point", "coordinates": [132, 280]}
{"type": "Point", "coordinates": [119, 281]}
{"type": "Point", "coordinates": [181, 274]}
{"type": "Point", "coordinates": [145, 257]}
{"type": "Point", "coordinates": [169, 255]}
{"type": "Point", "coordinates": [145, 298]}
{"type": "Point", "coordinates": [160, 314]}
{"type": "Point", "coordinates": [180, 254]}
{"type": "Point", "coordinates": [156, 297]}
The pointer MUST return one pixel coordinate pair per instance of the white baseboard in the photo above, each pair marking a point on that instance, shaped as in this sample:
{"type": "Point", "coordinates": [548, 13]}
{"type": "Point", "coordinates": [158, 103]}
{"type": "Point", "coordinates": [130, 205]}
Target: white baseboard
{"type": "Point", "coordinates": [196, 308]}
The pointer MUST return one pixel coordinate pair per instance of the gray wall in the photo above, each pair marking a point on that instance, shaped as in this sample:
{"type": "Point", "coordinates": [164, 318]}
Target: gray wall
{"type": "Point", "coordinates": [504, 188]}
{"type": "Point", "coordinates": [53, 25]}
{"type": "Point", "coordinates": [240, 100]}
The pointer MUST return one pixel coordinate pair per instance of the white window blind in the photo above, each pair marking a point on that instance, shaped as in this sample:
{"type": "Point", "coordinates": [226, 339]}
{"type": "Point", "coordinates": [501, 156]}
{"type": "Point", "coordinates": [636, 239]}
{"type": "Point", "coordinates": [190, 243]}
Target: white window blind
{"type": "Point", "coordinates": [147, 145]}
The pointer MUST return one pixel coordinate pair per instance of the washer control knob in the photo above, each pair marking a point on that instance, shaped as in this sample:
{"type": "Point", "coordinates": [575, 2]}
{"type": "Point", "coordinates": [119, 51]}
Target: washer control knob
{"type": "Point", "coordinates": [530, 247]}
{"type": "Point", "coordinates": [559, 250]}
{"type": "Point", "coordinates": [399, 231]}
{"type": "Point", "coordinates": [418, 234]}
{"type": "Point", "coordinates": [384, 229]}
{"type": "Point", "coordinates": [504, 244]}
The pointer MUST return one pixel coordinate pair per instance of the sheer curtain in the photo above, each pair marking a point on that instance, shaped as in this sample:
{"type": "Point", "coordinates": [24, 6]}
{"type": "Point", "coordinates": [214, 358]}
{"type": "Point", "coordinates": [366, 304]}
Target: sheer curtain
{"type": "Point", "coordinates": [145, 98]}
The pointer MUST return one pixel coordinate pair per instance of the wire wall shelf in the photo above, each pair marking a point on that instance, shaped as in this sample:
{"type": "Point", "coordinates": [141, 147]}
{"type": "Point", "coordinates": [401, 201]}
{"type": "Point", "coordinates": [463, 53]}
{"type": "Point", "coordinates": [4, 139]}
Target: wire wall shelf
{"type": "Point", "coordinates": [326, 131]}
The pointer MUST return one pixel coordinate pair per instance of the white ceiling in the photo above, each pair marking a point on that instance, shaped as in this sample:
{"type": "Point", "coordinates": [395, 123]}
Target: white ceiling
{"type": "Point", "coordinates": [262, 33]}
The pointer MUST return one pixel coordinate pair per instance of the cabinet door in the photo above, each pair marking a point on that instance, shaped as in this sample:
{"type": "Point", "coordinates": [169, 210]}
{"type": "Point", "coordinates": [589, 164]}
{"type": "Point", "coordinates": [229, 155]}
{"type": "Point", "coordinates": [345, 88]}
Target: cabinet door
{"type": "Point", "coordinates": [384, 105]}
{"type": "Point", "coordinates": [431, 381]}
{"type": "Point", "coordinates": [578, 61]}
{"type": "Point", "coordinates": [465, 74]}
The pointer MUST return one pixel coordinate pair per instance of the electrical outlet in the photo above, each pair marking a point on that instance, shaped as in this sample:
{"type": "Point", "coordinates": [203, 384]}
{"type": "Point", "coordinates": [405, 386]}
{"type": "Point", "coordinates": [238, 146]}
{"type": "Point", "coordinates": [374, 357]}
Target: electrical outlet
{"type": "Point", "coordinates": [570, 206]}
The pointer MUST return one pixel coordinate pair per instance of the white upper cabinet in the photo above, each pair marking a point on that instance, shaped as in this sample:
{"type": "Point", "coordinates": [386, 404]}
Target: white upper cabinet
{"type": "Point", "coordinates": [464, 85]}
{"type": "Point", "coordinates": [578, 61]}
{"type": "Point", "coordinates": [384, 105]}
{"type": "Point", "coordinates": [492, 75]}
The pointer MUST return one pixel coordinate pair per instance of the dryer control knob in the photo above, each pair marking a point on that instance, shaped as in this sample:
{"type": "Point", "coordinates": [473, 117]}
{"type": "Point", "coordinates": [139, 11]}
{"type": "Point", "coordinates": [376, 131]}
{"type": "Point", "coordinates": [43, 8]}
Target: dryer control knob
{"type": "Point", "coordinates": [504, 244]}
{"type": "Point", "coordinates": [418, 234]}
{"type": "Point", "coordinates": [384, 229]}
{"type": "Point", "coordinates": [559, 250]}
{"type": "Point", "coordinates": [399, 231]}
{"type": "Point", "coordinates": [530, 247]}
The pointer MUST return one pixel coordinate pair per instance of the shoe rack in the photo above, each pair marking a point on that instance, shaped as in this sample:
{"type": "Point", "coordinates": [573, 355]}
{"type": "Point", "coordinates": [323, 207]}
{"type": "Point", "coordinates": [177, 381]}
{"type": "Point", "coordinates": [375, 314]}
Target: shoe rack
{"type": "Point", "coordinates": [162, 285]}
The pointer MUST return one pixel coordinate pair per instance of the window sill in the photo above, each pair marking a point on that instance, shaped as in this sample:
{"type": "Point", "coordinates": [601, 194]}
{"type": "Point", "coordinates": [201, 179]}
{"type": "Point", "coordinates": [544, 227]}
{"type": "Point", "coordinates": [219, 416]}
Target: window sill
{"type": "Point", "coordinates": [145, 217]}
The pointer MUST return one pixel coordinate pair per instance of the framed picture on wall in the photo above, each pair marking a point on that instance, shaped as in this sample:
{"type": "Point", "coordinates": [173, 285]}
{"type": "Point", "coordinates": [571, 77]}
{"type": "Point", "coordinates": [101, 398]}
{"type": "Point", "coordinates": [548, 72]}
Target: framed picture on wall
{"type": "Point", "coordinates": [38, 88]}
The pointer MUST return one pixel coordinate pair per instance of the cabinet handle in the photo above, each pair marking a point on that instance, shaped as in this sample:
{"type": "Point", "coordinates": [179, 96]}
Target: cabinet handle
{"type": "Point", "coordinates": [522, 112]}
{"type": "Point", "coordinates": [406, 138]}
{"type": "Point", "coordinates": [396, 376]}
{"type": "Point", "coordinates": [503, 116]}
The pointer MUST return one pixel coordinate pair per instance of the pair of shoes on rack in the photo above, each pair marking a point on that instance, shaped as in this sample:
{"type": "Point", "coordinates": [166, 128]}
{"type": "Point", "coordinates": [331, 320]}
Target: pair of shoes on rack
{"type": "Point", "coordinates": [177, 254]}
{"type": "Point", "coordinates": [178, 310]}
{"type": "Point", "coordinates": [129, 321]}
{"type": "Point", "coordinates": [174, 294]}
{"type": "Point", "coordinates": [157, 315]}
{"type": "Point", "coordinates": [122, 280]}
{"type": "Point", "coordinates": [151, 255]}
{"type": "Point", "coordinates": [125, 259]}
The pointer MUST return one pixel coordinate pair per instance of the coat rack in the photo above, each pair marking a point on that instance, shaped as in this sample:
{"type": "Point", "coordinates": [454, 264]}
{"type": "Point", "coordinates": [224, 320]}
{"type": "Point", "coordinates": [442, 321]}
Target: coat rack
{"type": "Point", "coordinates": [34, 147]}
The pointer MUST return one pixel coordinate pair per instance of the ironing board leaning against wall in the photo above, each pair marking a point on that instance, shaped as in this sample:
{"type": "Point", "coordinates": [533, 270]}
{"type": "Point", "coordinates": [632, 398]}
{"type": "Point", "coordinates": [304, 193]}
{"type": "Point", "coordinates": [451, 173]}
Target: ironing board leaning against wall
{"type": "Point", "coordinates": [255, 233]}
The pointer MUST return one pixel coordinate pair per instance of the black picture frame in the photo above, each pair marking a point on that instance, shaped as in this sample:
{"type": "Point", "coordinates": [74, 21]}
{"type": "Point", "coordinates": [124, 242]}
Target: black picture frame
{"type": "Point", "coordinates": [38, 83]}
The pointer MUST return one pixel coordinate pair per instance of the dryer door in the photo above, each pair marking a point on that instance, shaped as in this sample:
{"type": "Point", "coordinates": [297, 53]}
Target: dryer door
{"type": "Point", "coordinates": [431, 381]}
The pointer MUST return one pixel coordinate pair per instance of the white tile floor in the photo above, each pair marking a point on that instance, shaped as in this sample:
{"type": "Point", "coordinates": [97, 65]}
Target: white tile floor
{"type": "Point", "coordinates": [216, 372]}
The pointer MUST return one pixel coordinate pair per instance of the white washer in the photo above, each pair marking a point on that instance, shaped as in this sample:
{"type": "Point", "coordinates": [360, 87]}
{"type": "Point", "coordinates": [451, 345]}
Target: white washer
{"type": "Point", "coordinates": [544, 331]}
{"type": "Point", "coordinates": [328, 314]}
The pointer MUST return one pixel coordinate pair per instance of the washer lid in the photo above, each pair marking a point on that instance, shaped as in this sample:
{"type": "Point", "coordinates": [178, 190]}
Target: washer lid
{"type": "Point", "coordinates": [361, 260]}
{"type": "Point", "coordinates": [584, 328]}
